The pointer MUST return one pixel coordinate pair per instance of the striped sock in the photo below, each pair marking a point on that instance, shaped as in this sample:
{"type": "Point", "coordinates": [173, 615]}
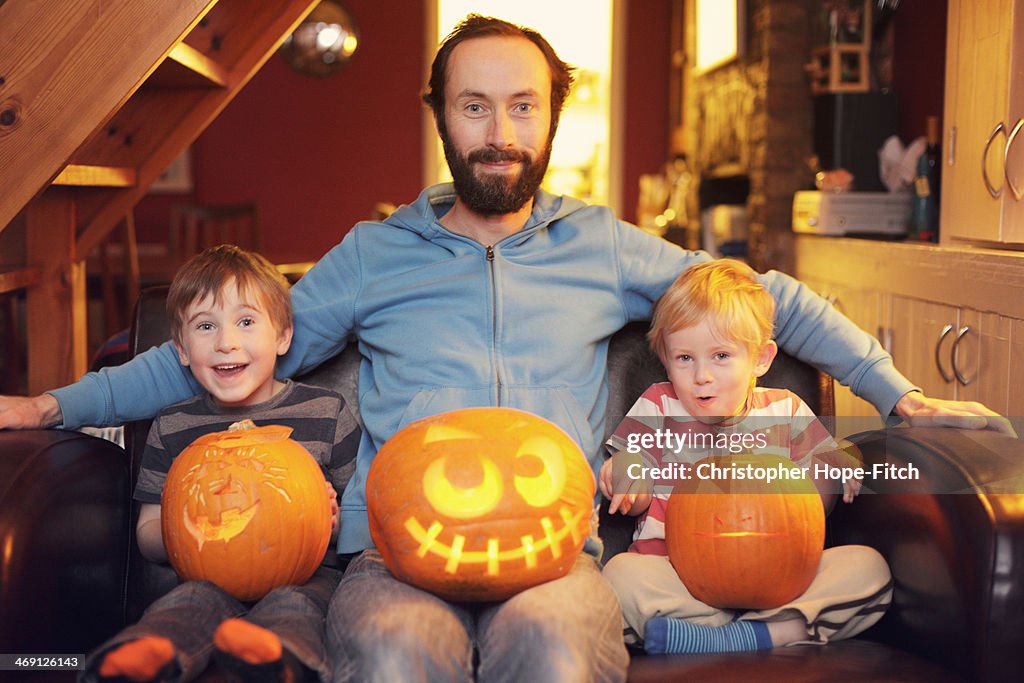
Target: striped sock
{"type": "Point", "coordinates": [665, 635]}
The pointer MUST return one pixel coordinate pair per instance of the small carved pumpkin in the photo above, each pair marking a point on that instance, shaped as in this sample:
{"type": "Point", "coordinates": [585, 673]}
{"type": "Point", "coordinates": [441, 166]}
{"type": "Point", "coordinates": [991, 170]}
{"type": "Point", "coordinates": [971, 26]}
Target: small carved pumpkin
{"type": "Point", "coordinates": [246, 509]}
{"type": "Point", "coordinates": [479, 503]}
{"type": "Point", "coordinates": [745, 544]}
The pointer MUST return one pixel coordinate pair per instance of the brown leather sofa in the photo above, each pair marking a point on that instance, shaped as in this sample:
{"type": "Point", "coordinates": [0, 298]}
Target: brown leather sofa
{"type": "Point", "coordinates": [954, 539]}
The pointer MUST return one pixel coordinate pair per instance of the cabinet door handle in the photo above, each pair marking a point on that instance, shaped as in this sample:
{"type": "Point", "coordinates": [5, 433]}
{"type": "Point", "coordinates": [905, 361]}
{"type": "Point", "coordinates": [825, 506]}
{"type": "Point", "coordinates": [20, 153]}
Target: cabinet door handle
{"type": "Point", "coordinates": [938, 354]}
{"type": "Point", "coordinates": [984, 156]}
{"type": "Point", "coordinates": [951, 155]}
{"type": "Point", "coordinates": [884, 336]}
{"type": "Point", "coordinates": [955, 358]}
{"type": "Point", "coordinates": [1017, 194]}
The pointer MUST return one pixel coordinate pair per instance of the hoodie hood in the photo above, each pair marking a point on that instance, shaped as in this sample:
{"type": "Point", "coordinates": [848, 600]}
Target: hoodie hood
{"type": "Point", "coordinates": [423, 215]}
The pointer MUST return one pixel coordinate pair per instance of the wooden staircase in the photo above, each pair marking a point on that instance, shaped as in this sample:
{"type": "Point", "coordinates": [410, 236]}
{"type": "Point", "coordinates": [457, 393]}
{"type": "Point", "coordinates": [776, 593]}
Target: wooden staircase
{"type": "Point", "coordinates": [97, 98]}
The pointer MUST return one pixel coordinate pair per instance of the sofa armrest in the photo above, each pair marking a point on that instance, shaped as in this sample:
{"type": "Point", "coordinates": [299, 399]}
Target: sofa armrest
{"type": "Point", "coordinates": [954, 540]}
{"type": "Point", "coordinates": [64, 508]}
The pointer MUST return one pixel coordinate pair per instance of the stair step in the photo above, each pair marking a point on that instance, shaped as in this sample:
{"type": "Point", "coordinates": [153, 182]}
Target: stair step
{"type": "Point", "coordinates": [85, 175]}
{"type": "Point", "coordinates": [187, 67]}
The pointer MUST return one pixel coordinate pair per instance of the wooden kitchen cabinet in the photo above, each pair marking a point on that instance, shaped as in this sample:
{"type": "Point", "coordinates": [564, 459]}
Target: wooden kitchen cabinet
{"type": "Point", "coordinates": [868, 308]}
{"type": "Point", "coordinates": [949, 317]}
{"type": "Point", "coordinates": [1015, 384]}
{"type": "Point", "coordinates": [922, 332]}
{"type": "Point", "coordinates": [983, 364]}
{"type": "Point", "coordinates": [983, 170]}
{"type": "Point", "coordinates": [952, 352]}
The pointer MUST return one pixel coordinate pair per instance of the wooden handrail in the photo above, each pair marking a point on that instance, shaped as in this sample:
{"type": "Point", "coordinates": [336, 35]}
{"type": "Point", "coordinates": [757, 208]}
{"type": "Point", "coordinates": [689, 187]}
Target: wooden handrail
{"type": "Point", "coordinates": [19, 279]}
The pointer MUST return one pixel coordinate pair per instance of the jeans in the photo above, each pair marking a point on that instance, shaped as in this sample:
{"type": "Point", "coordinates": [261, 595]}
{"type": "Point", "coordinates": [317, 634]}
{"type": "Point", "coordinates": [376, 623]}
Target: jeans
{"type": "Point", "coordinates": [190, 613]}
{"type": "Point", "coordinates": [380, 629]}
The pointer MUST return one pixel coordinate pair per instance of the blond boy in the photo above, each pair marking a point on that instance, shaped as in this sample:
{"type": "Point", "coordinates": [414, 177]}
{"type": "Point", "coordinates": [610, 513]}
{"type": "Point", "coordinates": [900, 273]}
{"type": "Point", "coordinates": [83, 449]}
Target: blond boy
{"type": "Point", "coordinates": [712, 331]}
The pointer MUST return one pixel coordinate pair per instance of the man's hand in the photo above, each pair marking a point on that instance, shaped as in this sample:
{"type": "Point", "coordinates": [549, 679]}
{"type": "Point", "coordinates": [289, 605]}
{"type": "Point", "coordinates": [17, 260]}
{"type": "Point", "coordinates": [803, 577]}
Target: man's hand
{"type": "Point", "coordinates": [920, 411]}
{"type": "Point", "coordinates": [36, 412]}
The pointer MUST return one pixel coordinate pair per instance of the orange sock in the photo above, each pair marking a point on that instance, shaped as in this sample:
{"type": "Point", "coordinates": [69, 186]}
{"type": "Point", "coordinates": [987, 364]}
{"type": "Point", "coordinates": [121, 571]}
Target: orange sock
{"type": "Point", "coordinates": [248, 642]}
{"type": "Point", "coordinates": [138, 660]}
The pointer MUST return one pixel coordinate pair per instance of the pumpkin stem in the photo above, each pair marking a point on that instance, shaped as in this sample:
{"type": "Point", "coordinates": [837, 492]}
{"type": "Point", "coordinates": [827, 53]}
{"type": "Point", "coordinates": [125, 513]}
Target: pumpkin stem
{"type": "Point", "coordinates": [242, 425]}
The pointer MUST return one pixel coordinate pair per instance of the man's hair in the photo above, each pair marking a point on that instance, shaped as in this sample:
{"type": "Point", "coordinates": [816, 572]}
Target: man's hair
{"type": "Point", "coordinates": [724, 292]}
{"type": "Point", "coordinates": [207, 273]}
{"type": "Point", "coordinates": [477, 26]}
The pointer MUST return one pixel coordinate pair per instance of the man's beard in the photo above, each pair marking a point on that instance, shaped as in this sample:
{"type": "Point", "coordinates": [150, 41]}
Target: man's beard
{"type": "Point", "coordinates": [493, 194]}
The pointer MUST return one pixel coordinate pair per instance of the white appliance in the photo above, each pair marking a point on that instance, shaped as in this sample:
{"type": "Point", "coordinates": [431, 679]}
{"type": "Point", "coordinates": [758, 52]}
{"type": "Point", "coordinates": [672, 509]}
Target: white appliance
{"type": "Point", "coordinates": [852, 213]}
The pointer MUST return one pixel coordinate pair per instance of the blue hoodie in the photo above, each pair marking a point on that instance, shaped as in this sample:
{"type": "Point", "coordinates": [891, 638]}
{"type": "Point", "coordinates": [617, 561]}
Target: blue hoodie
{"type": "Point", "coordinates": [444, 322]}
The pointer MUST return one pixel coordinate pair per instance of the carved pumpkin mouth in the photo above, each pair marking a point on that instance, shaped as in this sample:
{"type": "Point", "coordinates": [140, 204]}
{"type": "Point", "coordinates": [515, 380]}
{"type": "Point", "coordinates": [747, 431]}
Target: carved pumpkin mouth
{"type": "Point", "coordinates": [738, 534]}
{"type": "Point", "coordinates": [232, 523]}
{"type": "Point", "coordinates": [550, 537]}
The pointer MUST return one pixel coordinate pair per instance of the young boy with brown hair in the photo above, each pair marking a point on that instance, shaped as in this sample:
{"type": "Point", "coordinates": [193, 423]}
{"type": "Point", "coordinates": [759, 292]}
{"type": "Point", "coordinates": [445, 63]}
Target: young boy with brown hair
{"type": "Point", "coordinates": [712, 330]}
{"type": "Point", "coordinates": [230, 314]}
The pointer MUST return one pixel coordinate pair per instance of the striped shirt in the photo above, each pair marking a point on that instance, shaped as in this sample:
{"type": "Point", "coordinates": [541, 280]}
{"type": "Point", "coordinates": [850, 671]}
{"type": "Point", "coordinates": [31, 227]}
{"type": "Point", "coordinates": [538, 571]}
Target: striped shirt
{"type": "Point", "coordinates": [320, 419]}
{"type": "Point", "coordinates": [778, 422]}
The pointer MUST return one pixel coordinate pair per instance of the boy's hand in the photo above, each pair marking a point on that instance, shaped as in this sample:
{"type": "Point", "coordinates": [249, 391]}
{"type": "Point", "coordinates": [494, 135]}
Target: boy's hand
{"type": "Point", "coordinates": [624, 492]}
{"type": "Point", "coordinates": [851, 488]}
{"type": "Point", "coordinates": [36, 412]}
{"type": "Point", "coordinates": [846, 457]}
{"type": "Point", "coordinates": [332, 495]}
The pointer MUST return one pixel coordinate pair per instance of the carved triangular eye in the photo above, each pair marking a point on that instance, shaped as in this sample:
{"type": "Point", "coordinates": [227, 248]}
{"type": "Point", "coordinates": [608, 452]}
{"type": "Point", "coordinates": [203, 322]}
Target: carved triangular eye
{"type": "Point", "coordinates": [462, 502]}
{"type": "Point", "coordinates": [539, 471]}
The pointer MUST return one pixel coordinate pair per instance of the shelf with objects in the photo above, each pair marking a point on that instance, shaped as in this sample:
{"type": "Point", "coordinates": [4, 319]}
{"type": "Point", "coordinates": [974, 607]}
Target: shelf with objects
{"type": "Point", "coordinates": [842, 63]}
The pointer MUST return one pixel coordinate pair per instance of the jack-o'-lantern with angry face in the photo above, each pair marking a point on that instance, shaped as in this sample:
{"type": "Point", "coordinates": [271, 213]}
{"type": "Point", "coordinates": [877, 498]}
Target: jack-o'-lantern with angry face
{"type": "Point", "coordinates": [247, 509]}
{"type": "Point", "coordinates": [479, 503]}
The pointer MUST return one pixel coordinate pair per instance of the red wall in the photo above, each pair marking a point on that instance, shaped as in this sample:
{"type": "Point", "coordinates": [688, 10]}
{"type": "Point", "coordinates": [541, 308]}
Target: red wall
{"type": "Point", "coordinates": [919, 63]}
{"type": "Point", "coordinates": [317, 154]}
{"type": "Point", "coordinates": [648, 54]}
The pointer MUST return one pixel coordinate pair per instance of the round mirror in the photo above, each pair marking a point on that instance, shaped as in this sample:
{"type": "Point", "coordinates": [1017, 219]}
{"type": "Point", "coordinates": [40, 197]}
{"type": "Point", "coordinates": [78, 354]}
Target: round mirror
{"type": "Point", "coordinates": [323, 42]}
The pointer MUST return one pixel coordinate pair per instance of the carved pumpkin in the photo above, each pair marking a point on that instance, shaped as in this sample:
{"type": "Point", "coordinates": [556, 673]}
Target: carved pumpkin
{"type": "Point", "coordinates": [247, 510]}
{"type": "Point", "coordinates": [745, 544]}
{"type": "Point", "coordinates": [480, 503]}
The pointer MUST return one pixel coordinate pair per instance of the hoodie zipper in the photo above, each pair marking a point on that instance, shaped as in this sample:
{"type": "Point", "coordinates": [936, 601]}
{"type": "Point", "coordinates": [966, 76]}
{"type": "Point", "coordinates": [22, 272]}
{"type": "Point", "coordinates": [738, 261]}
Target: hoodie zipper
{"type": "Point", "coordinates": [489, 256]}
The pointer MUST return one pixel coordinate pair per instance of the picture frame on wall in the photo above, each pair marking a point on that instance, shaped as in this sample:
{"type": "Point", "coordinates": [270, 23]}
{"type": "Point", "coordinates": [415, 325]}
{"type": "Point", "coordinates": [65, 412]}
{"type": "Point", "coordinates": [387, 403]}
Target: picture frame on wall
{"type": "Point", "coordinates": [177, 179]}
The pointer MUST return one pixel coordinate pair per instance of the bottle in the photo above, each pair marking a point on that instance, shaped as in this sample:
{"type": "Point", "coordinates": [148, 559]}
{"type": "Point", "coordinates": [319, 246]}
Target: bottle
{"type": "Point", "coordinates": [927, 184]}
{"type": "Point", "coordinates": [923, 204]}
{"type": "Point", "coordinates": [934, 154]}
